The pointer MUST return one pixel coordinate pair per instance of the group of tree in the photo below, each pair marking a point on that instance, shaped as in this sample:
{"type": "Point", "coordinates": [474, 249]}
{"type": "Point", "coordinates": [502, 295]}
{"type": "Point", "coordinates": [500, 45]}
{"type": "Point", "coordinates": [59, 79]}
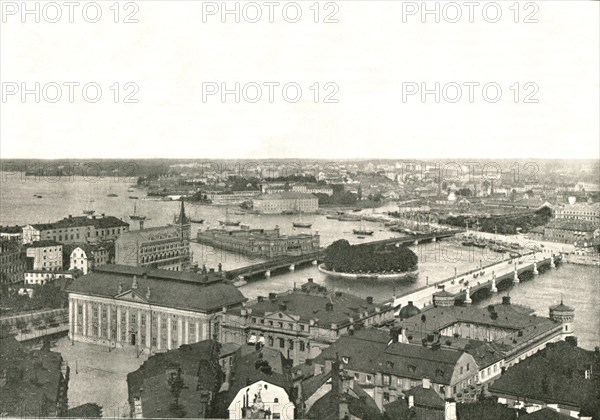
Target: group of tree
{"type": "Point", "coordinates": [503, 224]}
{"type": "Point", "coordinates": [346, 258]}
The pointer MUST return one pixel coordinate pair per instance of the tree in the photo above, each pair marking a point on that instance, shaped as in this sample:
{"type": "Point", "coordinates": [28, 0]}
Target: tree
{"type": "Point", "coordinates": [176, 385]}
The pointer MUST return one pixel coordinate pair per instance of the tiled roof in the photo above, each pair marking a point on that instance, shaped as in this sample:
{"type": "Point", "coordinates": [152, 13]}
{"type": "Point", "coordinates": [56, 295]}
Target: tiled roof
{"type": "Point", "coordinates": [426, 397]}
{"type": "Point", "coordinates": [570, 224]}
{"type": "Point", "coordinates": [167, 288]}
{"type": "Point", "coordinates": [199, 370]}
{"type": "Point", "coordinates": [369, 353]}
{"type": "Point", "coordinates": [43, 244]}
{"type": "Point", "coordinates": [99, 222]}
{"type": "Point", "coordinates": [314, 306]}
{"type": "Point", "coordinates": [360, 405]}
{"type": "Point", "coordinates": [288, 195]}
{"type": "Point", "coordinates": [545, 414]}
{"type": "Point", "coordinates": [553, 375]}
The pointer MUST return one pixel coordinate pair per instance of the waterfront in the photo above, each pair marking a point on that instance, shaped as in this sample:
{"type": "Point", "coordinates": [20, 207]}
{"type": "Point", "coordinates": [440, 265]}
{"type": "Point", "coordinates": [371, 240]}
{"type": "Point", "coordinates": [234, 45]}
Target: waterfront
{"type": "Point", "coordinates": [437, 261]}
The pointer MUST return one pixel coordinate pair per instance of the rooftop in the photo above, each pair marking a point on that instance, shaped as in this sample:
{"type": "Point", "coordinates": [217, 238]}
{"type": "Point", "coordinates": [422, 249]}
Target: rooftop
{"type": "Point", "coordinates": [327, 308]}
{"type": "Point", "coordinates": [288, 195]}
{"type": "Point", "coordinates": [43, 244]}
{"type": "Point", "coordinates": [99, 222]}
{"type": "Point", "coordinates": [368, 351]}
{"type": "Point", "coordinates": [569, 224]}
{"type": "Point", "coordinates": [173, 289]}
{"type": "Point", "coordinates": [555, 375]}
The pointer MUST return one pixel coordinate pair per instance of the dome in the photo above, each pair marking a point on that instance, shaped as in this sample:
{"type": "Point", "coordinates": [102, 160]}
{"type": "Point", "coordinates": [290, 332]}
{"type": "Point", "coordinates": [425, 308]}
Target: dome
{"type": "Point", "coordinates": [409, 311]}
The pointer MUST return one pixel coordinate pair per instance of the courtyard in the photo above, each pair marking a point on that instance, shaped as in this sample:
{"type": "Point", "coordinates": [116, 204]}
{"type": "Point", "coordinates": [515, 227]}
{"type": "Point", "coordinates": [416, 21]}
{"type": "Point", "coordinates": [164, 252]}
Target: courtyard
{"type": "Point", "coordinates": [99, 376]}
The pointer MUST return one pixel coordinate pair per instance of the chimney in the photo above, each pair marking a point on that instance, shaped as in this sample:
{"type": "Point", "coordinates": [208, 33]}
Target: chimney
{"type": "Point", "coordinates": [506, 300]}
{"type": "Point", "coordinates": [260, 298]}
{"type": "Point", "coordinates": [311, 280]}
{"type": "Point", "coordinates": [134, 285]}
{"type": "Point", "coordinates": [411, 401]}
{"type": "Point", "coordinates": [148, 292]}
{"type": "Point", "coordinates": [120, 288]}
{"type": "Point", "coordinates": [370, 300]}
{"type": "Point", "coordinates": [282, 306]}
{"type": "Point", "coordinates": [450, 410]}
{"type": "Point", "coordinates": [220, 267]}
{"type": "Point", "coordinates": [329, 306]}
{"type": "Point", "coordinates": [426, 383]}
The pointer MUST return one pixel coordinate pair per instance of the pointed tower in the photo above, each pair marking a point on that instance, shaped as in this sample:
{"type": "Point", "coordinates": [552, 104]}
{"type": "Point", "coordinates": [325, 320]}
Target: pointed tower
{"type": "Point", "coordinates": [183, 223]}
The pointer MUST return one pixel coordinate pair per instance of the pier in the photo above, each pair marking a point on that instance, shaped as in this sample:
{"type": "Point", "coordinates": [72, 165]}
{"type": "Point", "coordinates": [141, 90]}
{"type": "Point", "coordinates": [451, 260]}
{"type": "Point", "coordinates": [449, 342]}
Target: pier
{"type": "Point", "coordinates": [464, 285]}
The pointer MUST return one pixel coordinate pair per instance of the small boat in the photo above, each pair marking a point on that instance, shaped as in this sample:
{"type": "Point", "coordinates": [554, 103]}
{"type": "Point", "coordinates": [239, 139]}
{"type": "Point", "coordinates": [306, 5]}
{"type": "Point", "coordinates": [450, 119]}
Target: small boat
{"type": "Point", "coordinates": [360, 237]}
{"type": "Point", "coordinates": [244, 226]}
{"type": "Point", "coordinates": [133, 197]}
{"type": "Point", "coordinates": [197, 221]}
{"type": "Point", "coordinates": [362, 232]}
{"type": "Point", "coordinates": [37, 196]}
{"type": "Point", "coordinates": [332, 216]}
{"type": "Point", "coordinates": [130, 190]}
{"type": "Point", "coordinates": [302, 224]}
{"type": "Point", "coordinates": [356, 210]}
{"type": "Point", "coordinates": [136, 216]}
{"type": "Point", "coordinates": [112, 195]}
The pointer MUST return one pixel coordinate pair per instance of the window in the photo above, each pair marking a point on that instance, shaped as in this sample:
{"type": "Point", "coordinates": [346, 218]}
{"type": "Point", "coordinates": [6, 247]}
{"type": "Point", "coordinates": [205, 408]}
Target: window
{"type": "Point", "coordinates": [301, 344]}
{"type": "Point", "coordinates": [270, 323]}
{"type": "Point", "coordinates": [468, 366]}
{"type": "Point", "coordinates": [276, 400]}
{"type": "Point", "coordinates": [389, 364]}
{"type": "Point", "coordinates": [281, 343]}
{"type": "Point", "coordinates": [369, 378]}
{"type": "Point", "coordinates": [291, 344]}
{"type": "Point", "coordinates": [386, 397]}
{"type": "Point", "coordinates": [386, 381]}
{"type": "Point", "coordinates": [356, 376]}
{"type": "Point", "coordinates": [254, 320]}
{"type": "Point", "coordinates": [301, 327]}
{"type": "Point", "coordinates": [280, 324]}
{"type": "Point", "coordinates": [461, 370]}
{"type": "Point", "coordinates": [271, 341]}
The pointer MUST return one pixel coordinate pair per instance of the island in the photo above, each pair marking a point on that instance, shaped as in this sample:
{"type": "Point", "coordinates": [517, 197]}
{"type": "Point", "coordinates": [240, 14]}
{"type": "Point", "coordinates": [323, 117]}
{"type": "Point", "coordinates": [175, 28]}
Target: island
{"type": "Point", "coordinates": [368, 262]}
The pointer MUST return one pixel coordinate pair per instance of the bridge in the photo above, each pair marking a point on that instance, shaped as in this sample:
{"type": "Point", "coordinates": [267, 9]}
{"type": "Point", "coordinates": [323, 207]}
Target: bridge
{"type": "Point", "coordinates": [290, 263]}
{"type": "Point", "coordinates": [266, 269]}
{"type": "Point", "coordinates": [413, 239]}
{"type": "Point", "coordinates": [464, 285]}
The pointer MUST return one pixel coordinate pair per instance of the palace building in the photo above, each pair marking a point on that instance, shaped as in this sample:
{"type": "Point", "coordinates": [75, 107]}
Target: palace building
{"type": "Point", "coordinates": [79, 229]}
{"type": "Point", "coordinates": [286, 202]}
{"type": "Point", "coordinates": [302, 322]}
{"type": "Point", "coordinates": [149, 309]}
{"type": "Point", "coordinates": [164, 247]}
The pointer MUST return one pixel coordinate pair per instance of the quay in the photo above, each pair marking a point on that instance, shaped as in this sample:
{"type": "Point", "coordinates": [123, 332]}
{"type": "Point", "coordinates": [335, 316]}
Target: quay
{"type": "Point", "coordinates": [463, 286]}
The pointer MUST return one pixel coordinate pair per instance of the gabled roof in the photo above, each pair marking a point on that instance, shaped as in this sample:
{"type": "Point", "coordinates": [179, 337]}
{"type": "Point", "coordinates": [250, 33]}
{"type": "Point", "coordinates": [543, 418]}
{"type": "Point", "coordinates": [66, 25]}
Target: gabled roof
{"type": "Point", "coordinates": [370, 353]}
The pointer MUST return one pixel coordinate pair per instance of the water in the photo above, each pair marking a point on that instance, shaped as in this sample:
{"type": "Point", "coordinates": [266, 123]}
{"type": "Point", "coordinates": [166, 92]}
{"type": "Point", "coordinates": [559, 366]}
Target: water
{"type": "Point", "coordinates": [578, 285]}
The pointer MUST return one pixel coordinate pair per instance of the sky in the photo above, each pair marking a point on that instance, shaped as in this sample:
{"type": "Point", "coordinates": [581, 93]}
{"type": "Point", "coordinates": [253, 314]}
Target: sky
{"type": "Point", "coordinates": [499, 81]}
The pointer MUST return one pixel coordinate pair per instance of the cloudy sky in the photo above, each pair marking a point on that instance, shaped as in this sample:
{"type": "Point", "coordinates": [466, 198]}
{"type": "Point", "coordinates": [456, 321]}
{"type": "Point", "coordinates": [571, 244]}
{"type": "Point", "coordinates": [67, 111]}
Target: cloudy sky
{"type": "Point", "coordinates": [354, 80]}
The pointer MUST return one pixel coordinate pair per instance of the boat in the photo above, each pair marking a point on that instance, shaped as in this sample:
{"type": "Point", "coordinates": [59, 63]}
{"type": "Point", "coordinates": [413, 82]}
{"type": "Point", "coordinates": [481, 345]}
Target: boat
{"type": "Point", "coordinates": [228, 222]}
{"type": "Point", "coordinates": [244, 226]}
{"type": "Point", "coordinates": [136, 216]}
{"type": "Point", "coordinates": [361, 230]}
{"type": "Point", "coordinates": [360, 237]}
{"type": "Point", "coordinates": [37, 196]}
{"type": "Point", "coordinates": [133, 197]}
{"type": "Point", "coordinates": [332, 216]}
{"type": "Point", "coordinates": [130, 190]}
{"type": "Point", "coordinates": [112, 195]}
{"type": "Point", "coordinates": [196, 219]}
{"type": "Point", "coordinates": [348, 218]}
{"type": "Point", "coordinates": [356, 210]}
{"type": "Point", "coordinates": [300, 223]}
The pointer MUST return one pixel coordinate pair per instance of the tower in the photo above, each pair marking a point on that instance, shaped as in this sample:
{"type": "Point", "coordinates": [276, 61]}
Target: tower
{"type": "Point", "coordinates": [183, 223]}
{"type": "Point", "coordinates": [565, 315]}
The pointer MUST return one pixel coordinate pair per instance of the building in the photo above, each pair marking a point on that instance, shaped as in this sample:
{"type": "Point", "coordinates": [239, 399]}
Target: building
{"type": "Point", "coordinates": [37, 278]}
{"type": "Point", "coordinates": [386, 364]}
{"type": "Point", "coordinates": [563, 377]}
{"type": "Point", "coordinates": [85, 257]}
{"type": "Point", "coordinates": [181, 383]}
{"type": "Point", "coordinates": [13, 262]}
{"type": "Point", "coordinates": [580, 211]}
{"type": "Point", "coordinates": [301, 323]}
{"type": "Point", "coordinates": [148, 309]}
{"type": "Point", "coordinates": [421, 403]}
{"type": "Point", "coordinates": [261, 384]}
{"type": "Point", "coordinates": [339, 397]}
{"type": "Point", "coordinates": [587, 187]}
{"type": "Point", "coordinates": [313, 189]}
{"type": "Point", "coordinates": [580, 233]}
{"type": "Point", "coordinates": [78, 229]}
{"type": "Point", "coordinates": [232, 198]}
{"type": "Point", "coordinates": [285, 202]}
{"type": "Point", "coordinates": [44, 255]}
{"type": "Point", "coordinates": [260, 242]}
{"type": "Point", "coordinates": [33, 384]}
{"type": "Point", "coordinates": [164, 247]}
{"type": "Point", "coordinates": [498, 337]}
{"type": "Point", "coordinates": [13, 233]}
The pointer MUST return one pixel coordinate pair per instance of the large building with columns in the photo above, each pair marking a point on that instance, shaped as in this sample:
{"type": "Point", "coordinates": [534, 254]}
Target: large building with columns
{"type": "Point", "coordinates": [148, 309]}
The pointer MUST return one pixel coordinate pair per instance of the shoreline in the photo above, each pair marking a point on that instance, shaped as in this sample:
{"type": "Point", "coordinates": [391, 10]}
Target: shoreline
{"type": "Point", "coordinates": [373, 276]}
